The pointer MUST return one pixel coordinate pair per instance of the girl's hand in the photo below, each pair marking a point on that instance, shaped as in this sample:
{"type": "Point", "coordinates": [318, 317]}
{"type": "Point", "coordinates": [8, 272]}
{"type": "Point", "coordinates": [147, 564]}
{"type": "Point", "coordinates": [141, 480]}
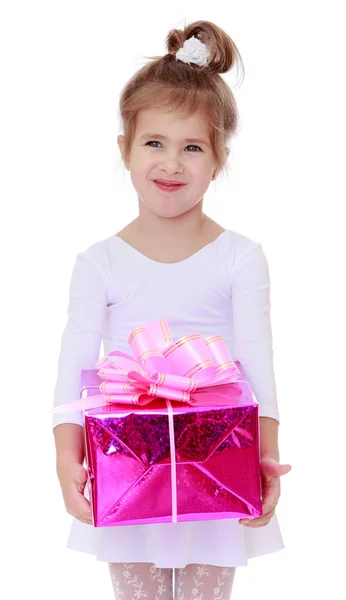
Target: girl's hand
{"type": "Point", "coordinates": [73, 478]}
{"type": "Point", "coordinates": [271, 471]}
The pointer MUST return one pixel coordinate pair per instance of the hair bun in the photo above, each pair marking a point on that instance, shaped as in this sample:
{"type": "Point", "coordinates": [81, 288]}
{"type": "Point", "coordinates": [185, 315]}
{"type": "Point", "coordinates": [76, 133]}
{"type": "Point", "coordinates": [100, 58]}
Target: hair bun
{"type": "Point", "coordinates": [222, 49]}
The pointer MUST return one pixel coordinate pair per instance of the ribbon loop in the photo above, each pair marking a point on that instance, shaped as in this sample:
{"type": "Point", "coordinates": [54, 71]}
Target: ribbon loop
{"type": "Point", "coordinates": [176, 371]}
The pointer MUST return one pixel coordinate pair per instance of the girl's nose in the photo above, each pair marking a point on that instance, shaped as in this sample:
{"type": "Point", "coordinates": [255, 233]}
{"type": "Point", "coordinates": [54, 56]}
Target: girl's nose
{"type": "Point", "coordinates": [171, 165]}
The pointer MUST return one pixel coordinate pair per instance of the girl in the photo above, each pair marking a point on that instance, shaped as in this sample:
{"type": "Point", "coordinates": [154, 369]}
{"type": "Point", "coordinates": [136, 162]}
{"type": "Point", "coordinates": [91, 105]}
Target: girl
{"type": "Point", "coordinates": [173, 262]}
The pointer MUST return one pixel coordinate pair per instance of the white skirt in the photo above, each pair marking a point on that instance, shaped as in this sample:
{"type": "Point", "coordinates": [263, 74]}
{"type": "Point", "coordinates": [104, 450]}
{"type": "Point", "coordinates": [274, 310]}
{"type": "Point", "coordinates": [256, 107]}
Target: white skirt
{"type": "Point", "coordinates": [222, 542]}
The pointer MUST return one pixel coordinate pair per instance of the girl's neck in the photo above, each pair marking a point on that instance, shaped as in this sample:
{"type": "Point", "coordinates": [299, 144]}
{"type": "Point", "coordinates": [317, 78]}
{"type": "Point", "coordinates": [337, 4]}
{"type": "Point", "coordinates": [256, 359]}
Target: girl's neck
{"type": "Point", "coordinates": [165, 241]}
{"type": "Point", "coordinates": [164, 229]}
{"type": "Point", "coordinates": [191, 225]}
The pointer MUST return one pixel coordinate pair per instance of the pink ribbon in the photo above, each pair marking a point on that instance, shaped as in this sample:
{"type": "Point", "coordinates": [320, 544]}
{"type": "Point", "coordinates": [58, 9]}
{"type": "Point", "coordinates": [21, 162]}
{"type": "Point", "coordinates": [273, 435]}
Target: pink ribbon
{"type": "Point", "coordinates": [188, 371]}
{"type": "Point", "coordinates": [193, 370]}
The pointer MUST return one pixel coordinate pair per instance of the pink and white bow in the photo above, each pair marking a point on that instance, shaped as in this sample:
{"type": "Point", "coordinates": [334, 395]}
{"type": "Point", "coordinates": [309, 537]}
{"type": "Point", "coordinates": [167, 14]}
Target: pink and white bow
{"type": "Point", "coordinates": [192, 370]}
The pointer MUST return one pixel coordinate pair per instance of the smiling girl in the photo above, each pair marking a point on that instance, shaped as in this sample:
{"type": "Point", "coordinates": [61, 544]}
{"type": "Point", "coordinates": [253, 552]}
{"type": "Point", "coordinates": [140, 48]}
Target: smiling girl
{"type": "Point", "coordinates": [173, 262]}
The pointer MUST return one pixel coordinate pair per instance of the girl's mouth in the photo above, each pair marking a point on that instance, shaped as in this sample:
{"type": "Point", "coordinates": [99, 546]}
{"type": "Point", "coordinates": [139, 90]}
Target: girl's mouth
{"type": "Point", "coordinates": [169, 187]}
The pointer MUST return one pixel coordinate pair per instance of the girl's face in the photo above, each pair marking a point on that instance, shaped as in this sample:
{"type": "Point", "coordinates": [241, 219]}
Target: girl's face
{"type": "Point", "coordinates": [170, 147]}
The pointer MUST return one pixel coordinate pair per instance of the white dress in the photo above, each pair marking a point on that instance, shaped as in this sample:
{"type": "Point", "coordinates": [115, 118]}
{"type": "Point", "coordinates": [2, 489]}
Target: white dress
{"type": "Point", "coordinates": [223, 289]}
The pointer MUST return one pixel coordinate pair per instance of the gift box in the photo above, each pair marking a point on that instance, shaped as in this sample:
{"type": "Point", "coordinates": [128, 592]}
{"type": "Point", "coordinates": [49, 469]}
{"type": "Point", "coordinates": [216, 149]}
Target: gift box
{"type": "Point", "coordinates": [129, 462]}
{"type": "Point", "coordinates": [171, 432]}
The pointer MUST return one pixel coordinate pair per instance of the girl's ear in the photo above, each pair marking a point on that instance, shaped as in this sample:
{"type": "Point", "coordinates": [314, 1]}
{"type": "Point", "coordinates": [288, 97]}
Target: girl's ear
{"type": "Point", "coordinates": [121, 143]}
{"type": "Point", "coordinates": [121, 140]}
{"type": "Point", "coordinates": [216, 171]}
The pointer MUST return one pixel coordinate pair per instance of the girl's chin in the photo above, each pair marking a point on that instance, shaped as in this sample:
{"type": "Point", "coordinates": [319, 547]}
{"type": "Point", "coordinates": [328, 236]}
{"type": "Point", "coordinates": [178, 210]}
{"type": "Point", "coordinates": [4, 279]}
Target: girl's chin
{"type": "Point", "coordinates": [165, 211]}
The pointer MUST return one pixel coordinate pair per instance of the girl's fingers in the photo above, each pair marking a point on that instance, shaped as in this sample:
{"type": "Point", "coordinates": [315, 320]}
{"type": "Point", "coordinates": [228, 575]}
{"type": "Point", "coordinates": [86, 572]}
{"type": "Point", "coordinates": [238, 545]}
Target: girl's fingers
{"type": "Point", "coordinates": [254, 525]}
{"type": "Point", "coordinates": [259, 521]}
{"type": "Point", "coordinates": [271, 468]}
{"type": "Point", "coordinates": [271, 497]}
{"type": "Point", "coordinates": [79, 507]}
{"type": "Point", "coordinates": [86, 521]}
{"type": "Point", "coordinates": [84, 507]}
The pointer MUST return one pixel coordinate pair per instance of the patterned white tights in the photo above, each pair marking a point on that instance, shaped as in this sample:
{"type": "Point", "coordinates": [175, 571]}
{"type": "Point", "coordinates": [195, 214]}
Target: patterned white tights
{"type": "Point", "coordinates": [193, 582]}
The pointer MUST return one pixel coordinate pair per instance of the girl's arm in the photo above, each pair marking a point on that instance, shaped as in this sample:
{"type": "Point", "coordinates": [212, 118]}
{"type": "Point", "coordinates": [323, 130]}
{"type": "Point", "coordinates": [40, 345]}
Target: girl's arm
{"type": "Point", "coordinates": [269, 433]}
{"type": "Point", "coordinates": [82, 336]}
{"type": "Point", "coordinates": [253, 347]}
{"type": "Point", "coordinates": [69, 443]}
{"type": "Point", "coordinates": [80, 349]}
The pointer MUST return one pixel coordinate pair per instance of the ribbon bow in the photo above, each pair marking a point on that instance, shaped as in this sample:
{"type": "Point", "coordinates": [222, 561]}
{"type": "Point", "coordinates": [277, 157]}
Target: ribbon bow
{"type": "Point", "coordinates": [192, 370]}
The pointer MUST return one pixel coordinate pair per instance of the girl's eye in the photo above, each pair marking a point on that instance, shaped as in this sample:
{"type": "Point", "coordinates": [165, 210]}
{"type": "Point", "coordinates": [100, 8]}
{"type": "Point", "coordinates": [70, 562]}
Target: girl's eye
{"type": "Point", "coordinates": [190, 146]}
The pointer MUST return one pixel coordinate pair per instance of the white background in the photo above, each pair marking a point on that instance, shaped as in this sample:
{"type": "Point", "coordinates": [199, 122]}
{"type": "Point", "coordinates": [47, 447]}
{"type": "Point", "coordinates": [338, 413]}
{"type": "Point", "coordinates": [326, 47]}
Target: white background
{"type": "Point", "coordinates": [63, 65]}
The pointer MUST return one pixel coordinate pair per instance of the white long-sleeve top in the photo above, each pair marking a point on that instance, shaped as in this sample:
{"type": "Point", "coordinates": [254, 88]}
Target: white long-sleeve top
{"type": "Point", "coordinates": [224, 289]}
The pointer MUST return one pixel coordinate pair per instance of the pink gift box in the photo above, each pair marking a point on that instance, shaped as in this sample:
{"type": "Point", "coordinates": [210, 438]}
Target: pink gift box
{"type": "Point", "coordinates": [133, 480]}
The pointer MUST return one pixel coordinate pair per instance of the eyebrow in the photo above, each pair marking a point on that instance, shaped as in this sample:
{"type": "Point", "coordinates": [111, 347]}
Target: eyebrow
{"type": "Point", "coordinates": [162, 137]}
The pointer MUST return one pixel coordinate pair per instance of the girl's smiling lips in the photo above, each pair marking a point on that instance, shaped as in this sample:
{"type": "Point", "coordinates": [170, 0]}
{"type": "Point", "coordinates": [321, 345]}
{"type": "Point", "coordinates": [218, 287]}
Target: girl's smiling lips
{"type": "Point", "coordinates": [166, 185]}
{"type": "Point", "coordinates": [168, 182]}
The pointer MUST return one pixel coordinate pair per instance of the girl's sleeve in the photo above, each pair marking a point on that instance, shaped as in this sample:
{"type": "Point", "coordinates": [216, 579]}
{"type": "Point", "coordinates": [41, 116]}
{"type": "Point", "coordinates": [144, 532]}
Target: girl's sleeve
{"type": "Point", "coordinates": [253, 344]}
{"type": "Point", "coordinates": [82, 336]}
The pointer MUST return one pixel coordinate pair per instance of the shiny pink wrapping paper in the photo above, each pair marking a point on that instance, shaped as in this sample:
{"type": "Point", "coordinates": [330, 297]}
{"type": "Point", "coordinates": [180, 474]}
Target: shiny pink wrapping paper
{"type": "Point", "coordinates": [129, 465]}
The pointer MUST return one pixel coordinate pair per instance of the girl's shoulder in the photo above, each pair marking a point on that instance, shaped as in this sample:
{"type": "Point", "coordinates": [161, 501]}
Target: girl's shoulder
{"type": "Point", "coordinates": [240, 253]}
{"type": "Point", "coordinates": [97, 255]}
{"type": "Point", "coordinates": [236, 244]}
{"type": "Point", "coordinates": [106, 254]}
{"type": "Point", "coordinates": [96, 251]}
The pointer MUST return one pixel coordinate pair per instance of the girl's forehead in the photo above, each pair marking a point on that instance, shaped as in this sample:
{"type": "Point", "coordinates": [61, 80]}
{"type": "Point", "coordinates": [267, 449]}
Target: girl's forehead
{"type": "Point", "coordinates": [151, 120]}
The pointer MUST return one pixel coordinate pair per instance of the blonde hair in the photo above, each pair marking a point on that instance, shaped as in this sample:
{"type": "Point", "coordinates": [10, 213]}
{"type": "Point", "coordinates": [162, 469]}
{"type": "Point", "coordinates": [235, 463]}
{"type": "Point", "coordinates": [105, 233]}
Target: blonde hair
{"type": "Point", "coordinates": [168, 83]}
